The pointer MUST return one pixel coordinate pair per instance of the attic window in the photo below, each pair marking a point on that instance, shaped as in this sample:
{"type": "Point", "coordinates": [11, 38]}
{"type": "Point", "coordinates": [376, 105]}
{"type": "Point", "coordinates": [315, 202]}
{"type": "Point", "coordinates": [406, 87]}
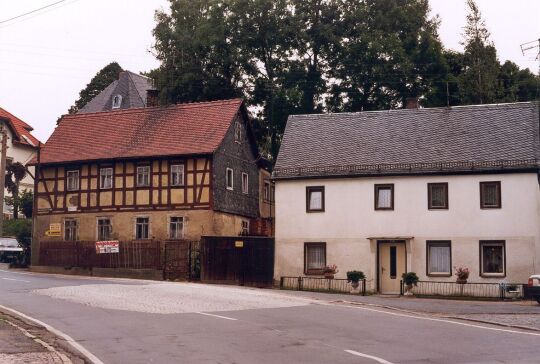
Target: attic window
{"type": "Point", "coordinates": [237, 132]}
{"type": "Point", "coordinates": [116, 101]}
{"type": "Point", "coordinates": [27, 139]}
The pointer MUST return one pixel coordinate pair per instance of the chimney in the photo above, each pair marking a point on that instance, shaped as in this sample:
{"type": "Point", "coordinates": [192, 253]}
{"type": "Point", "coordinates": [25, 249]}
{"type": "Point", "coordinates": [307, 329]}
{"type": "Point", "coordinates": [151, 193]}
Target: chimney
{"type": "Point", "coordinates": [411, 103]}
{"type": "Point", "coordinates": [152, 98]}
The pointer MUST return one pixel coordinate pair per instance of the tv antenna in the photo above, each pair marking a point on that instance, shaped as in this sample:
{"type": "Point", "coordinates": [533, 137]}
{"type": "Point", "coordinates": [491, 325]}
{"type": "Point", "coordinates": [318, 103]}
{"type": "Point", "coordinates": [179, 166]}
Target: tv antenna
{"type": "Point", "coordinates": [535, 44]}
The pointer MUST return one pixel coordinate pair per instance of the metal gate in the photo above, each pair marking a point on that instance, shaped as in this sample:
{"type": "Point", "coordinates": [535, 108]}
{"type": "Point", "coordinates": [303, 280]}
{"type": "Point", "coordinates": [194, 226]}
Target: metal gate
{"type": "Point", "coordinates": [176, 260]}
{"type": "Point", "coordinates": [242, 260]}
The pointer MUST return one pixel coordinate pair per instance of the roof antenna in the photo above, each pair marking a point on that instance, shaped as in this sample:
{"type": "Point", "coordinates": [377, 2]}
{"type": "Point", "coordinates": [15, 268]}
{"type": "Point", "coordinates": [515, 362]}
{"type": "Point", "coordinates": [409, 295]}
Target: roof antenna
{"type": "Point", "coordinates": [447, 95]}
{"type": "Point", "coordinates": [535, 44]}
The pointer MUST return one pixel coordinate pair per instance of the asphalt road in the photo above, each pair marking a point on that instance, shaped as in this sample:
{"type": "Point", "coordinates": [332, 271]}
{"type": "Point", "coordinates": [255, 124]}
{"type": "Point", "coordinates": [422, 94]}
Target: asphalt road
{"type": "Point", "coordinates": [289, 330]}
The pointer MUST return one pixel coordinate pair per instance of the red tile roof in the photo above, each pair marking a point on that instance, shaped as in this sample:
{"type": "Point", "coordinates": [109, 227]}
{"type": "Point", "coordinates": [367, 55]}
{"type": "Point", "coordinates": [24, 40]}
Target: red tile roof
{"type": "Point", "coordinates": [182, 129]}
{"type": "Point", "coordinates": [20, 129]}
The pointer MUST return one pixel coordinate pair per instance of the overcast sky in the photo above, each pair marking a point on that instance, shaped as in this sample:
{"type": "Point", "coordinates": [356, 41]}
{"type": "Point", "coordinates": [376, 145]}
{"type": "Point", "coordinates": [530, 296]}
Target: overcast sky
{"type": "Point", "coordinates": [48, 57]}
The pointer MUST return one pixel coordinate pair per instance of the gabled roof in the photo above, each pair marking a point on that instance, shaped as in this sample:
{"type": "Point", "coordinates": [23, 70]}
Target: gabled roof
{"type": "Point", "coordinates": [465, 138]}
{"type": "Point", "coordinates": [131, 86]}
{"type": "Point", "coordinates": [183, 129]}
{"type": "Point", "coordinates": [21, 130]}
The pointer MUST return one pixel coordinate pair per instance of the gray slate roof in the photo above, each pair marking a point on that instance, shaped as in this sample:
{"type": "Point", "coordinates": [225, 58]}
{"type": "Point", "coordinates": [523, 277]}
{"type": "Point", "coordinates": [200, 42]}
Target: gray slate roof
{"type": "Point", "coordinates": [131, 86]}
{"type": "Point", "coordinates": [408, 141]}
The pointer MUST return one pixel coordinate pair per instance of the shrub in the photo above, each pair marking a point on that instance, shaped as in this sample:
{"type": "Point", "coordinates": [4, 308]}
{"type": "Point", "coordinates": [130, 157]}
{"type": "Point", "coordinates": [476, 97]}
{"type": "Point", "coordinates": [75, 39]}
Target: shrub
{"type": "Point", "coordinates": [355, 276]}
{"type": "Point", "coordinates": [410, 278]}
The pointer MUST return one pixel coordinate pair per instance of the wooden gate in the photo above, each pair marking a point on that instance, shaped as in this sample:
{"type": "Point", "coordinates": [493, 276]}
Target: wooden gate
{"type": "Point", "coordinates": [176, 260]}
{"type": "Point", "coordinates": [242, 260]}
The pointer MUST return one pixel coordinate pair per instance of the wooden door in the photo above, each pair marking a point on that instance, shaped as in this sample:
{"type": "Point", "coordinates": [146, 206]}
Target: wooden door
{"type": "Point", "coordinates": [392, 264]}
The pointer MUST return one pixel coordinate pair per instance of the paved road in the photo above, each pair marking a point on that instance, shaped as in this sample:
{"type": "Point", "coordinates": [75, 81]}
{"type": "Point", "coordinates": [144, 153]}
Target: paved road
{"type": "Point", "coordinates": [215, 324]}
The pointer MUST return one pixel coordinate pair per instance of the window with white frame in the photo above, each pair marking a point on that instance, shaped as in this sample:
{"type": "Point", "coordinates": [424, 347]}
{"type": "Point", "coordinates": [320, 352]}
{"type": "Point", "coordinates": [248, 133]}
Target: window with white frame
{"type": "Point", "coordinates": [245, 227]}
{"type": "Point", "coordinates": [176, 227]}
{"type": "Point", "coordinates": [104, 228]}
{"type": "Point", "coordinates": [177, 175]}
{"type": "Point", "coordinates": [314, 258]}
{"type": "Point", "coordinates": [116, 101]}
{"type": "Point", "coordinates": [439, 258]}
{"type": "Point", "coordinates": [245, 183]}
{"type": "Point", "coordinates": [143, 176]}
{"type": "Point", "coordinates": [384, 197]}
{"type": "Point", "coordinates": [72, 180]}
{"type": "Point", "coordinates": [238, 131]}
{"type": "Point", "coordinates": [70, 229]}
{"type": "Point", "coordinates": [229, 179]}
{"type": "Point", "coordinates": [105, 178]}
{"type": "Point", "coordinates": [492, 258]}
{"type": "Point", "coordinates": [142, 228]}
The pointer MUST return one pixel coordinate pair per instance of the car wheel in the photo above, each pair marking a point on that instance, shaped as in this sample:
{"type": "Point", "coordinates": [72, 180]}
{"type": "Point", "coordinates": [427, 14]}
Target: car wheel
{"type": "Point", "coordinates": [538, 300]}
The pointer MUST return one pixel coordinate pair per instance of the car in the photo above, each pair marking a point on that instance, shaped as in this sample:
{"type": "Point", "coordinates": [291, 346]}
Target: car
{"type": "Point", "coordinates": [533, 287]}
{"type": "Point", "coordinates": [10, 250]}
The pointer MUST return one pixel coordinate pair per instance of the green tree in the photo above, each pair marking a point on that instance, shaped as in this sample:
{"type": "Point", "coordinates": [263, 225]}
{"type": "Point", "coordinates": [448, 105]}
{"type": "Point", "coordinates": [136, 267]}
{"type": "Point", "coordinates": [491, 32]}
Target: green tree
{"type": "Point", "coordinates": [15, 172]}
{"type": "Point", "coordinates": [98, 83]}
{"type": "Point", "coordinates": [478, 83]}
{"type": "Point", "coordinates": [516, 84]}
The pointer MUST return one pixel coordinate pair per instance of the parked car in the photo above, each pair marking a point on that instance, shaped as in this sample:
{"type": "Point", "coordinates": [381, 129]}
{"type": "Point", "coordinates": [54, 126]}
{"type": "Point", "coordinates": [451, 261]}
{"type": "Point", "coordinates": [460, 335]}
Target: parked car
{"type": "Point", "coordinates": [533, 287]}
{"type": "Point", "coordinates": [10, 250]}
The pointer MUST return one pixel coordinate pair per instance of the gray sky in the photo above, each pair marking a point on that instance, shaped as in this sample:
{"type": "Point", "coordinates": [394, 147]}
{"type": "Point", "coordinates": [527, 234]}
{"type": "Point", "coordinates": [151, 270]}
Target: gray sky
{"type": "Point", "coordinates": [48, 57]}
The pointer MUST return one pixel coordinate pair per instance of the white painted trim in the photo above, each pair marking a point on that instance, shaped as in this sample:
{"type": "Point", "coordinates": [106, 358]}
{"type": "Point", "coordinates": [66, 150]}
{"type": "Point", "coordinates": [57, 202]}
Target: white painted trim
{"type": "Point", "coordinates": [231, 188]}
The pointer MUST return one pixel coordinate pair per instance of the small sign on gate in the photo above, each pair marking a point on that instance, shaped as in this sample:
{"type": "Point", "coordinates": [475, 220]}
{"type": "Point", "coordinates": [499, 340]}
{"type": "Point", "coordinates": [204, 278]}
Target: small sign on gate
{"type": "Point", "coordinates": [105, 247]}
{"type": "Point", "coordinates": [239, 244]}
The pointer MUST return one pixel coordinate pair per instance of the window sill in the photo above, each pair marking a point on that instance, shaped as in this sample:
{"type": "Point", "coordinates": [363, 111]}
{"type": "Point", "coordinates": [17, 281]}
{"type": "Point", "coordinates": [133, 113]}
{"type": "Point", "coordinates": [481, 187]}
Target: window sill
{"type": "Point", "coordinates": [311, 211]}
{"type": "Point", "coordinates": [439, 274]}
{"type": "Point", "coordinates": [384, 209]}
{"type": "Point", "coordinates": [490, 207]}
{"type": "Point", "coordinates": [438, 208]}
{"type": "Point", "coordinates": [493, 275]}
{"type": "Point", "coordinates": [314, 272]}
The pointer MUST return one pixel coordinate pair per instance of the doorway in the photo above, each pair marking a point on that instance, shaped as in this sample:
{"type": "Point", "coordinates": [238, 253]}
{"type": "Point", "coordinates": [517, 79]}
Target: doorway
{"type": "Point", "coordinates": [392, 263]}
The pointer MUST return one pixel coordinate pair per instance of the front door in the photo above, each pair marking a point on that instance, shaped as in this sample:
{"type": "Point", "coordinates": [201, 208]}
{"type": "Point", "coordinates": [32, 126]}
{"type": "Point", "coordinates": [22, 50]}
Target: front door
{"type": "Point", "coordinates": [392, 264]}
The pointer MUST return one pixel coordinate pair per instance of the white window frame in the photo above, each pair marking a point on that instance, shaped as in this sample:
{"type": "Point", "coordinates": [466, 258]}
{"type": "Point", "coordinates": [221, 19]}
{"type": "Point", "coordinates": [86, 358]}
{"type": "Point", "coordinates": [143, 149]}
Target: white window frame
{"type": "Point", "coordinates": [244, 227]}
{"type": "Point", "coordinates": [76, 232]}
{"type": "Point", "coordinates": [115, 104]}
{"type": "Point", "coordinates": [230, 186]}
{"type": "Point", "coordinates": [135, 226]}
{"type": "Point", "coordinates": [104, 175]}
{"type": "Point", "coordinates": [245, 185]}
{"type": "Point", "coordinates": [179, 172]}
{"type": "Point", "coordinates": [169, 225]}
{"type": "Point", "coordinates": [70, 178]}
{"type": "Point", "coordinates": [144, 172]}
{"type": "Point", "coordinates": [97, 227]}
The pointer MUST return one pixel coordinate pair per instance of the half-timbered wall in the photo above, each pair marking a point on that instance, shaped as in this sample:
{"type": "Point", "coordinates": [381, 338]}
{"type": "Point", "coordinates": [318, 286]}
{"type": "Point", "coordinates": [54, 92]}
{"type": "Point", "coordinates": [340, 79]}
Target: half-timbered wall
{"type": "Point", "coordinates": [125, 195]}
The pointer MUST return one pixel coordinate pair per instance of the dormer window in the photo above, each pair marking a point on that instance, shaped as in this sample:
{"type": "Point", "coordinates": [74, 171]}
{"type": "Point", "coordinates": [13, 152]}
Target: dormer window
{"type": "Point", "coordinates": [116, 101]}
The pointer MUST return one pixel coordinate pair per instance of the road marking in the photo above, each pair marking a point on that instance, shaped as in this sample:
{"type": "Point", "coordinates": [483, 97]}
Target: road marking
{"type": "Point", "coordinates": [376, 358]}
{"type": "Point", "coordinates": [13, 279]}
{"type": "Point", "coordinates": [223, 317]}
{"type": "Point", "coordinates": [447, 321]}
{"type": "Point", "coordinates": [91, 357]}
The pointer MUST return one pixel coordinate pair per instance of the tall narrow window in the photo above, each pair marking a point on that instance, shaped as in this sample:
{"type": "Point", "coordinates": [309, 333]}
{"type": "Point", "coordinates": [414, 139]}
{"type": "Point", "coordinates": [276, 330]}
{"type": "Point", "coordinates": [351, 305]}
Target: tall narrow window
{"type": "Point", "coordinates": [245, 227]}
{"type": "Point", "coordinates": [393, 262]}
{"type": "Point", "coordinates": [142, 225]}
{"type": "Point", "coordinates": [105, 178]}
{"type": "Point", "coordinates": [116, 101]}
{"type": "Point", "coordinates": [384, 197]}
{"type": "Point", "coordinates": [72, 180]}
{"type": "Point", "coordinates": [70, 229]}
{"type": "Point", "coordinates": [177, 175]}
{"type": "Point", "coordinates": [266, 191]}
{"type": "Point", "coordinates": [104, 229]}
{"type": "Point", "coordinates": [490, 195]}
{"type": "Point", "coordinates": [238, 131]}
{"type": "Point", "coordinates": [143, 176]}
{"type": "Point", "coordinates": [439, 258]}
{"type": "Point", "coordinates": [315, 199]}
{"type": "Point", "coordinates": [229, 179]}
{"type": "Point", "coordinates": [176, 227]}
{"type": "Point", "coordinates": [245, 183]}
{"type": "Point", "coordinates": [492, 258]}
{"type": "Point", "coordinates": [437, 196]}
{"type": "Point", "coordinates": [314, 258]}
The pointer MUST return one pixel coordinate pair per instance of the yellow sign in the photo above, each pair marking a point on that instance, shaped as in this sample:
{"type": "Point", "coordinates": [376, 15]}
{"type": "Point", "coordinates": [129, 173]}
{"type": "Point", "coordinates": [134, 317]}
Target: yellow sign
{"type": "Point", "coordinates": [53, 233]}
{"type": "Point", "coordinates": [55, 228]}
{"type": "Point", "coordinates": [238, 244]}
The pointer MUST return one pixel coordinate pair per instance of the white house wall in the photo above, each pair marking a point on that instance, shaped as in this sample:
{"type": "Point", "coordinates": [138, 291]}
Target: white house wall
{"type": "Point", "coordinates": [349, 220]}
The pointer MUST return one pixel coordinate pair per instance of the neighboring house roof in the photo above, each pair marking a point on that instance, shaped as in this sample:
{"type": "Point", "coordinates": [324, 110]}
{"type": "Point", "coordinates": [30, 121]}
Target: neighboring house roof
{"type": "Point", "coordinates": [183, 129]}
{"type": "Point", "coordinates": [131, 86]}
{"type": "Point", "coordinates": [465, 138]}
{"type": "Point", "coordinates": [21, 130]}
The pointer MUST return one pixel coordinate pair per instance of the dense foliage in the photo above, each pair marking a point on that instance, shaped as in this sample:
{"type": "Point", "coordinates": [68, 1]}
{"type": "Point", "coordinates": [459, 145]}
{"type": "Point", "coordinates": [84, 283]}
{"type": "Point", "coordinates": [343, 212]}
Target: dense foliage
{"type": "Point", "coordinates": [308, 56]}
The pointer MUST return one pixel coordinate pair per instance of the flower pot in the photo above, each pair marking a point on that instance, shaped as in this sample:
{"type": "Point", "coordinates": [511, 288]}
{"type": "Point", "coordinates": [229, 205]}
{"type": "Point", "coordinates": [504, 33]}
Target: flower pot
{"type": "Point", "coordinates": [408, 290]}
{"type": "Point", "coordinates": [461, 280]}
{"type": "Point", "coordinates": [355, 288]}
{"type": "Point", "coordinates": [329, 275]}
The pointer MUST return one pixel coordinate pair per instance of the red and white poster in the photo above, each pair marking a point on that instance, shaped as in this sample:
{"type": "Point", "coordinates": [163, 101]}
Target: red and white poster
{"type": "Point", "coordinates": [105, 247]}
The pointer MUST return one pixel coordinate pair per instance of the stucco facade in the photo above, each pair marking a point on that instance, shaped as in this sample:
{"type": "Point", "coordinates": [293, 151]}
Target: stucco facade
{"type": "Point", "coordinates": [351, 226]}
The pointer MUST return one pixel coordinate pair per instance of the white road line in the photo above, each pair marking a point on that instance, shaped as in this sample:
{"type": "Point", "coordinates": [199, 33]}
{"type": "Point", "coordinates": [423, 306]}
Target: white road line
{"type": "Point", "coordinates": [223, 317]}
{"type": "Point", "coordinates": [377, 359]}
{"type": "Point", "coordinates": [447, 321]}
{"type": "Point", "coordinates": [13, 279]}
{"type": "Point", "coordinates": [91, 357]}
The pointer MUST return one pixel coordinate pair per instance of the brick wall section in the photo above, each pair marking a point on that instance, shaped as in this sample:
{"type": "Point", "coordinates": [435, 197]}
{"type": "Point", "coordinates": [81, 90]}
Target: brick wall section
{"type": "Point", "coordinates": [241, 158]}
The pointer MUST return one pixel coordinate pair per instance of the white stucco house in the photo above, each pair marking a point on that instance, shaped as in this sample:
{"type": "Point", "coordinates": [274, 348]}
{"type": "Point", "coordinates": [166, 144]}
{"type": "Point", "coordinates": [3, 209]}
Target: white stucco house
{"type": "Point", "coordinates": [423, 190]}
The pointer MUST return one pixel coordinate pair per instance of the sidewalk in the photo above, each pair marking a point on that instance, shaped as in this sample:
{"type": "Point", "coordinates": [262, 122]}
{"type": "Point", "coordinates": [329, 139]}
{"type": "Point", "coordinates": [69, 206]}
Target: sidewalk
{"type": "Point", "coordinates": [519, 314]}
{"type": "Point", "coordinates": [23, 343]}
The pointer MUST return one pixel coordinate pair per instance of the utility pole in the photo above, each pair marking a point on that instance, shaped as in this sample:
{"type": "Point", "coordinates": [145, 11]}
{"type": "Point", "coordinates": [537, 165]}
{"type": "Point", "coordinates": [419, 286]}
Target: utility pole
{"type": "Point", "coordinates": [2, 177]}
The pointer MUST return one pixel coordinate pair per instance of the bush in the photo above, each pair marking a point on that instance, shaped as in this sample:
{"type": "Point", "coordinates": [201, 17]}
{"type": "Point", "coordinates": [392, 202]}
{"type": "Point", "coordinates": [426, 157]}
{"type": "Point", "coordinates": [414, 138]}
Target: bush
{"type": "Point", "coordinates": [21, 229]}
{"type": "Point", "coordinates": [410, 278]}
{"type": "Point", "coordinates": [355, 276]}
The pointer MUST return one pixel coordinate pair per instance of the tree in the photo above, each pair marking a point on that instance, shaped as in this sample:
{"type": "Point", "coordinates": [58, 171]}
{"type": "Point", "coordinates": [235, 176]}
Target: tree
{"type": "Point", "coordinates": [15, 172]}
{"type": "Point", "coordinates": [98, 83]}
{"type": "Point", "coordinates": [478, 83]}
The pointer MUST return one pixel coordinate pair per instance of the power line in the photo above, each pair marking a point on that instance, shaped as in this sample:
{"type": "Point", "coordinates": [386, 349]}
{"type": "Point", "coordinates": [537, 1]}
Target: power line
{"type": "Point", "coordinates": [31, 12]}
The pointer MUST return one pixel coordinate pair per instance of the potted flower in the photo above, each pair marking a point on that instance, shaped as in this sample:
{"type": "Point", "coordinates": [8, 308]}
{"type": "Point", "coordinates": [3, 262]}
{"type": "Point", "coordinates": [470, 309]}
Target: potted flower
{"type": "Point", "coordinates": [410, 279]}
{"type": "Point", "coordinates": [512, 290]}
{"type": "Point", "coordinates": [329, 271]}
{"type": "Point", "coordinates": [354, 277]}
{"type": "Point", "coordinates": [462, 274]}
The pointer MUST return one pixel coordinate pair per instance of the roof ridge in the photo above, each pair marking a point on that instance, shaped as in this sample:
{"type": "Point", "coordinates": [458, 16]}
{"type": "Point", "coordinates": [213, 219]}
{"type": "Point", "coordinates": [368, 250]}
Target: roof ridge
{"type": "Point", "coordinates": [161, 107]}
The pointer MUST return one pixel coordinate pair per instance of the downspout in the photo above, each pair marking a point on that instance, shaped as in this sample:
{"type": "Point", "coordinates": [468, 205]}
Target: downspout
{"type": "Point", "coordinates": [34, 247]}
